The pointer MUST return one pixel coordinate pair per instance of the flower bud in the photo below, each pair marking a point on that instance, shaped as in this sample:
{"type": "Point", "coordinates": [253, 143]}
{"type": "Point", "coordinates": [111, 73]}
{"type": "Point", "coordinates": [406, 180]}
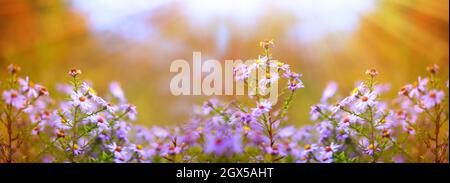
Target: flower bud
{"type": "Point", "coordinates": [372, 72]}
{"type": "Point", "coordinates": [266, 44]}
{"type": "Point", "coordinates": [74, 72]}
{"type": "Point", "coordinates": [13, 69]}
{"type": "Point", "coordinates": [433, 69]}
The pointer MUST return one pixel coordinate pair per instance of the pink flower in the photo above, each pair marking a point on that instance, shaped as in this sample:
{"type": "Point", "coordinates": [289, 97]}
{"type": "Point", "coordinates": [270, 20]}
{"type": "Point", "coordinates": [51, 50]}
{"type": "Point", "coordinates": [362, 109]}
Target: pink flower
{"type": "Point", "coordinates": [14, 98]}
{"type": "Point", "coordinates": [418, 87]}
{"type": "Point", "coordinates": [27, 87]}
{"type": "Point", "coordinates": [262, 107]}
{"type": "Point", "coordinates": [433, 98]}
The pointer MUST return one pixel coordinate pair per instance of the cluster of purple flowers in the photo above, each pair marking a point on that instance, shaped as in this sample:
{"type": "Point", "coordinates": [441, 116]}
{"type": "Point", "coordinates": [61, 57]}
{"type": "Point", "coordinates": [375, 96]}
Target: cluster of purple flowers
{"type": "Point", "coordinates": [372, 130]}
{"type": "Point", "coordinates": [359, 127]}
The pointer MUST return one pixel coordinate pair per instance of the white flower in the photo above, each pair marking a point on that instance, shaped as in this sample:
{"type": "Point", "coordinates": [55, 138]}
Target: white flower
{"type": "Point", "coordinates": [367, 99]}
{"type": "Point", "coordinates": [81, 101]}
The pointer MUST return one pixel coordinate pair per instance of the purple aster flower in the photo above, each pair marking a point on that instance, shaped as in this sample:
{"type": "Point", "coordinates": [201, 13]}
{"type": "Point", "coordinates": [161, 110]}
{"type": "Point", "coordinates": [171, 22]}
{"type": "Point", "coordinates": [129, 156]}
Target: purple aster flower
{"type": "Point", "coordinates": [14, 98]}
{"type": "Point", "coordinates": [304, 157]}
{"type": "Point", "coordinates": [48, 159]}
{"type": "Point", "coordinates": [286, 132]}
{"type": "Point", "coordinates": [384, 124]}
{"type": "Point", "coordinates": [122, 129]}
{"type": "Point", "coordinates": [274, 150]}
{"type": "Point", "coordinates": [263, 107]}
{"type": "Point", "coordinates": [81, 101]}
{"type": "Point", "coordinates": [27, 87]}
{"type": "Point", "coordinates": [75, 148]}
{"type": "Point", "coordinates": [216, 144]}
{"type": "Point", "coordinates": [60, 121]}
{"type": "Point", "coordinates": [325, 130]}
{"type": "Point", "coordinates": [342, 134]}
{"type": "Point", "coordinates": [256, 137]}
{"type": "Point", "coordinates": [121, 157]}
{"type": "Point", "coordinates": [332, 148]}
{"type": "Point", "coordinates": [369, 148]}
{"type": "Point", "coordinates": [418, 87]}
{"type": "Point", "coordinates": [289, 147]}
{"type": "Point", "coordinates": [347, 100]}
{"type": "Point", "coordinates": [315, 111]}
{"type": "Point", "coordinates": [87, 89]}
{"type": "Point", "coordinates": [303, 134]}
{"type": "Point", "coordinates": [136, 148]}
{"type": "Point", "coordinates": [309, 148]}
{"type": "Point", "coordinates": [159, 132]}
{"type": "Point", "coordinates": [38, 129]}
{"type": "Point", "coordinates": [381, 88]}
{"type": "Point", "coordinates": [329, 92]}
{"type": "Point", "coordinates": [130, 111]}
{"type": "Point", "coordinates": [367, 99]}
{"type": "Point", "coordinates": [208, 106]}
{"type": "Point", "coordinates": [236, 145]}
{"type": "Point", "coordinates": [117, 92]}
{"type": "Point", "coordinates": [325, 157]}
{"type": "Point", "coordinates": [115, 149]}
{"type": "Point", "coordinates": [242, 117]}
{"type": "Point", "coordinates": [100, 120]}
{"type": "Point", "coordinates": [171, 150]}
{"type": "Point", "coordinates": [346, 121]}
{"type": "Point", "coordinates": [279, 65]}
{"type": "Point", "coordinates": [270, 78]}
{"type": "Point", "coordinates": [295, 84]}
{"type": "Point", "coordinates": [100, 101]}
{"type": "Point", "coordinates": [241, 72]}
{"type": "Point", "coordinates": [408, 129]}
{"type": "Point", "coordinates": [433, 98]}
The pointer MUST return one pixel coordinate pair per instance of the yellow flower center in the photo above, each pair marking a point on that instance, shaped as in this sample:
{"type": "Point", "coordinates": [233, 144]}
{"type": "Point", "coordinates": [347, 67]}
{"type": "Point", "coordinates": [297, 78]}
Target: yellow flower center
{"type": "Point", "coordinates": [279, 64]}
{"type": "Point", "coordinates": [307, 147]}
{"type": "Point", "coordinates": [92, 91]}
{"type": "Point", "coordinates": [246, 128]}
{"type": "Point", "coordinates": [139, 147]}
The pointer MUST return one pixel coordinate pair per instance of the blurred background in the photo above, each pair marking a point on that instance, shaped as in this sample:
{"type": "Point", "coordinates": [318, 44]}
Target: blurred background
{"type": "Point", "coordinates": [134, 42]}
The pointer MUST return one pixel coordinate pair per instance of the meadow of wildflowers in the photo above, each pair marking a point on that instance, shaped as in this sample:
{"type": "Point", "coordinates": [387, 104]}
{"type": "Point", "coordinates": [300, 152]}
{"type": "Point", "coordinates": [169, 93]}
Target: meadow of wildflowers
{"type": "Point", "coordinates": [363, 126]}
